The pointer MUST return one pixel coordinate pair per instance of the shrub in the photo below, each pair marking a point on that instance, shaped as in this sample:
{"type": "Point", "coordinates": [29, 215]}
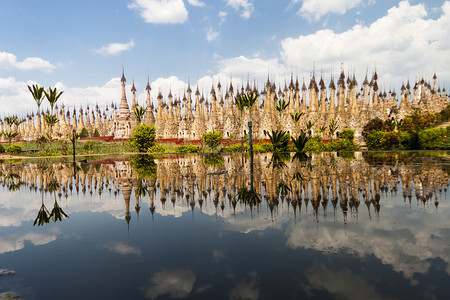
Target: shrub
{"type": "Point", "coordinates": [14, 149]}
{"type": "Point", "coordinates": [157, 148]}
{"type": "Point", "coordinates": [84, 133]}
{"type": "Point", "coordinates": [407, 124]}
{"type": "Point", "coordinates": [372, 126]}
{"type": "Point", "coordinates": [2, 149]}
{"type": "Point", "coordinates": [314, 144]}
{"type": "Point", "coordinates": [96, 133]}
{"type": "Point", "coordinates": [212, 139]}
{"type": "Point", "coordinates": [263, 147]}
{"type": "Point", "coordinates": [434, 138]}
{"type": "Point", "coordinates": [187, 149]}
{"type": "Point", "coordinates": [342, 145]}
{"type": "Point", "coordinates": [300, 142]}
{"type": "Point", "coordinates": [373, 140]}
{"type": "Point", "coordinates": [445, 113]}
{"type": "Point", "coordinates": [409, 140]}
{"type": "Point", "coordinates": [143, 137]}
{"type": "Point", "coordinates": [89, 146]}
{"type": "Point", "coordinates": [280, 140]}
{"type": "Point", "coordinates": [347, 134]}
{"type": "Point", "coordinates": [390, 140]}
{"type": "Point", "coordinates": [236, 148]}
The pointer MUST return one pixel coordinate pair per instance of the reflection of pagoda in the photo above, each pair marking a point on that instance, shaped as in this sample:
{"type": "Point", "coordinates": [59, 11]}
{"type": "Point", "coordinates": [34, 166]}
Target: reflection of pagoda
{"type": "Point", "coordinates": [187, 183]}
{"type": "Point", "coordinates": [123, 176]}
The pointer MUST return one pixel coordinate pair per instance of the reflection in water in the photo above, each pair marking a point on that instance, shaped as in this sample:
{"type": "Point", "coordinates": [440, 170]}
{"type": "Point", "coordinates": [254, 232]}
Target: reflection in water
{"type": "Point", "coordinates": [224, 181]}
{"type": "Point", "coordinates": [299, 227]}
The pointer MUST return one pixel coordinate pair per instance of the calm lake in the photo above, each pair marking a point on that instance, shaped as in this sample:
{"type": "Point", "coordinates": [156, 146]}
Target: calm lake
{"type": "Point", "coordinates": [346, 226]}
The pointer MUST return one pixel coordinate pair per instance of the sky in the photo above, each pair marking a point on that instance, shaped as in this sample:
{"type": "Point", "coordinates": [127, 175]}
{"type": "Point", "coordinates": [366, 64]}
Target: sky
{"type": "Point", "coordinates": [80, 47]}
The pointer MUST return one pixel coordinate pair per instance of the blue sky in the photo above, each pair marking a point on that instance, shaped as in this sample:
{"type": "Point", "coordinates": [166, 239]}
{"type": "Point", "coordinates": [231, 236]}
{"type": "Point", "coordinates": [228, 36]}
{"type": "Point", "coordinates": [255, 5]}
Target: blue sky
{"type": "Point", "coordinates": [80, 46]}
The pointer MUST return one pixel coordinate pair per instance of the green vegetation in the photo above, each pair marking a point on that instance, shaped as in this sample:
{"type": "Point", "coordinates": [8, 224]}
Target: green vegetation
{"type": "Point", "coordinates": [300, 142]}
{"type": "Point", "coordinates": [213, 160]}
{"type": "Point", "coordinates": [280, 140]}
{"type": "Point", "coordinates": [14, 149]}
{"type": "Point", "coordinates": [187, 149]}
{"type": "Point", "coordinates": [413, 132]}
{"type": "Point", "coordinates": [212, 139]}
{"type": "Point", "coordinates": [143, 137]}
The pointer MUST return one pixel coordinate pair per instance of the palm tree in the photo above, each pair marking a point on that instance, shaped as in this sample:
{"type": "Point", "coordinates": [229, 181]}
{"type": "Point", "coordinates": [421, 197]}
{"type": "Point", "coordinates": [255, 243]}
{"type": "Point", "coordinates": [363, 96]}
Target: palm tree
{"type": "Point", "coordinates": [38, 94]}
{"type": "Point", "coordinates": [321, 130]}
{"type": "Point", "coordinates": [52, 96]}
{"type": "Point", "coordinates": [333, 127]}
{"type": "Point", "coordinates": [139, 112]}
{"type": "Point", "coordinates": [249, 100]}
{"type": "Point", "coordinates": [296, 116]}
{"type": "Point", "coordinates": [51, 120]}
{"type": "Point", "coordinates": [309, 126]}
{"type": "Point", "coordinates": [240, 103]}
{"type": "Point", "coordinates": [280, 106]}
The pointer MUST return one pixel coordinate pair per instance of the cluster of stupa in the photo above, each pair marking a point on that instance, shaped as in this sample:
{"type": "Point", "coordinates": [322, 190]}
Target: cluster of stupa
{"type": "Point", "coordinates": [349, 104]}
{"type": "Point", "coordinates": [183, 183]}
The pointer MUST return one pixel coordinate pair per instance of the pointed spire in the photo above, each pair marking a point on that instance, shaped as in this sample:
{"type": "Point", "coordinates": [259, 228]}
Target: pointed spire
{"type": "Point", "coordinates": [148, 88]}
{"type": "Point", "coordinates": [123, 80]}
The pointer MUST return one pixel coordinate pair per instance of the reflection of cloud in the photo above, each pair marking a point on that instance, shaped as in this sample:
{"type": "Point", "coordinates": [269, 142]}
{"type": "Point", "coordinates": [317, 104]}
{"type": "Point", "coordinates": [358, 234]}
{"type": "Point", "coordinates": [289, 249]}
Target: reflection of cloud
{"type": "Point", "coordinates": [246, 289]}
{"type": "Point", "coordinates": [122, 248]}
{"type": "Point", "coordinates": [218, 255]}
{"type": "Point", "coordinates": [16, 241]}
{"type": "Point", "coordinates": [178, 284]}
{"type": "Point", "coordinates": [407, 246]}
{"type": "Point", "coordinates": [337, 284]}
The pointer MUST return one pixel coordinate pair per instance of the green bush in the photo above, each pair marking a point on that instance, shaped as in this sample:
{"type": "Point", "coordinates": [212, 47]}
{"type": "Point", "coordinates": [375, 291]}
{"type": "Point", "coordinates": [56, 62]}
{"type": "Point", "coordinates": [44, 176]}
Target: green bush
{"type": "Point", "coordinates": [373, 140]}
{"type": "Point", "coordinates": [409, 140]}
{"type": "Point", "coordinates": [280, 140]}
{"type": "Point", "coordinates": [143, 137]}
{"type": "Point", "coordinates": [236, 148]}
{"type": "Point", "coordinates": [262, 147]}
{"type": "Point", "coordinates": [390, 141]}
{"type": "Point", "coordinates": [2, 149]}
{"type": "Point", "coordinates": [372, 126]}
{"type": "Point", "coordinates": [96, 133]}
{"type": "Point", "coordinates": [341, 145]}
{"type": "Point", "coordinates": [212, 139]}
{"type": "Point", "coordinates": [89, 146]}
{"type": "Point", "coordinates": [144, 166]}
{"type": "Point", "coordinates": [84, 133]}
{"type": "Point", "coordinates": [157, 148]}
{"type": "Point", "coordinates": [14, 149]}
{"type": "Point", "coordinates": [347, 134]}
{"type": "Point", "coordinates": [434, 138]}
{"type": "Point", "coordinates": [187, 149]}
{"type": "Point", "coordinates": [314, 144]}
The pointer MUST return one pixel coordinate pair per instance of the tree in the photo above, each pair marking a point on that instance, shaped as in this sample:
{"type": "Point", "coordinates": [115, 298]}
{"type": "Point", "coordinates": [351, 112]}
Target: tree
{"type": "Point", "coordinates": [52, 96]}
{"type": "Point", "coordinates": [280, 106]}
{"type": "Point", "coordinates": [279, 139]}
{"type": "Point", "coordinates": [51, 120]}
{"type": "Point", "coordinates": [333, 126]}
{"type": "Point", "coordinates": [321, 130]}
{"type": "Point", "coordinates": [212, 139]}
{"type": "Point", "coordinates": [139, 112]}
{"type": "Point", "coordinates": [38, 94]}
{"type": "Point", "coordinates": [300, 142]}
{"type": "Point", "coordinates": [242, 101]}
{"type": "Point", "coordinates": [309, 125]}
{"type": "Point", "coordinates": [143, 137]}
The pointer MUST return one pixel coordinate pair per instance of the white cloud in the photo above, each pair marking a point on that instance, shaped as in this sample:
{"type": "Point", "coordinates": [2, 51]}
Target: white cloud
{"type": "Point", "coordinates": [314, 9]}
{"type": "Point", "coordinates": [256, 68]}
{"type": "Point", "coordinates": [178, 284]}
{"type": "Point", "coordinates": [211, 34]}
{"type": "Point", "coordinates": [223, 16]}
{"type": "Point", "coordinates": [8, 61]}
{"type": "Point", "coordinates": [246, 7]}
{"type": "Point", "coordinates": [197, 3]}
{"type": "Point", "coordinates": [115, 48]}
{"type": "Point", "coordinates": [161, 11]}
{"type": "Point", "coordinates": [14, 242]}
{"type": "Point", "coordinates": [416, 44]}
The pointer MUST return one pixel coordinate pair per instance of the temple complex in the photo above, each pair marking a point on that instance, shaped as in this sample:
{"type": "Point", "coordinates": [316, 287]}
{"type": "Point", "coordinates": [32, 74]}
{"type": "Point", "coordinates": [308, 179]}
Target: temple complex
{"type": "Point", "coordinates": [348, 103]}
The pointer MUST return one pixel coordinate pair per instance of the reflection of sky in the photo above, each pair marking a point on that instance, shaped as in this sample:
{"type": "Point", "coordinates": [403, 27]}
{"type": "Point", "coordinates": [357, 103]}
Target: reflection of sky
{"type": "Point", "coordinates": [238, 255]}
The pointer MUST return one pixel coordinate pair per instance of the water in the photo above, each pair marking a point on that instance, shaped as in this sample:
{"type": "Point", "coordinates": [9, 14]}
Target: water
{"type": "Point", "coordinates": [362, 226]}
